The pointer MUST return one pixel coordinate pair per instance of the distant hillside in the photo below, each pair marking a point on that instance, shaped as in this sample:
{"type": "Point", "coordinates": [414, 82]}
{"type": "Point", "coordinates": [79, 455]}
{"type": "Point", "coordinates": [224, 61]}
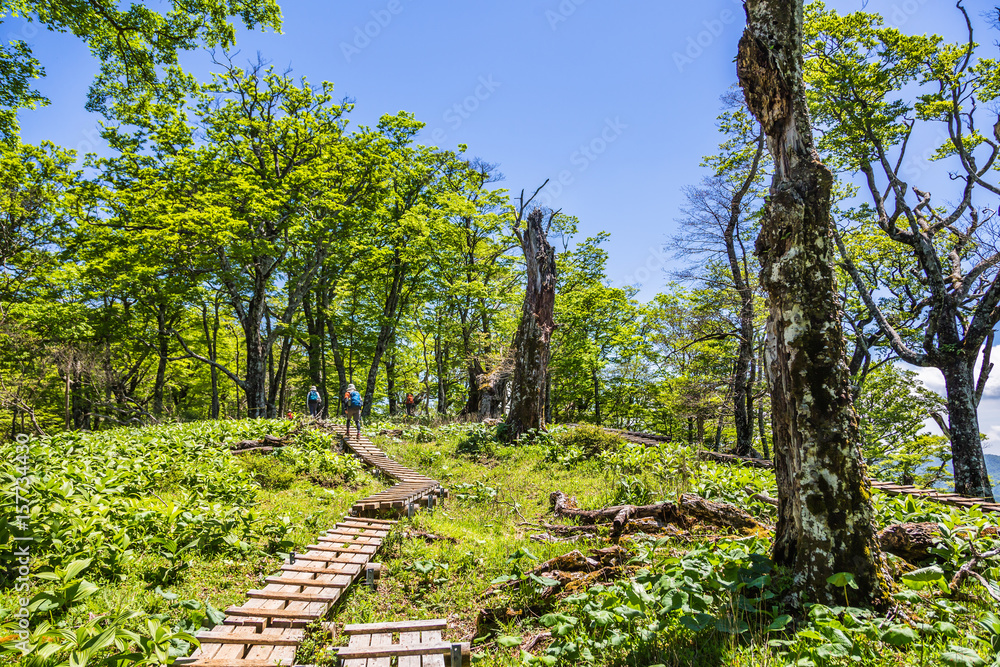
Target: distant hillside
{"type": "Point", "coordinates": [993, 466]}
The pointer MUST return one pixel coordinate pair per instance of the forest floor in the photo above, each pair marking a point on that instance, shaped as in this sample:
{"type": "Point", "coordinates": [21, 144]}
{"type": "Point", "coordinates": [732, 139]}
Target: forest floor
{"type": "Point", "coordinates": [695, 595]}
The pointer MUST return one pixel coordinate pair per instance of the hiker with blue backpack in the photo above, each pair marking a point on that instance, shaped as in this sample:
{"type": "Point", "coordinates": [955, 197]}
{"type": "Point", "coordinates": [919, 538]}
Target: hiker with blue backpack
{"type": "Point", "coordinates": [314, 401]}
{"type": "Point", "coordinates": [352, 408]}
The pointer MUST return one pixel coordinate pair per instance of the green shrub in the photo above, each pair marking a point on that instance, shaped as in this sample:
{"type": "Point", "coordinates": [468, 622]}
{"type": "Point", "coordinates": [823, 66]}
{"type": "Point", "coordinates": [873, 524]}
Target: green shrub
{"type": "Point", "coordinates": [589, 440]}
{"type": "Point", "coordinates": [474, 493]}
{"type": "Point", "coordinates": [419, 434]}
{"type": "Point", "coordinates": [480, 441]}
{"type": "Point", "coordinates": [271, 472]}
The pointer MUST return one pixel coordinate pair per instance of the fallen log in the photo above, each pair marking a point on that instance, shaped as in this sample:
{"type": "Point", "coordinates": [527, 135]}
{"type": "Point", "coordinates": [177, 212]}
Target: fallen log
{"type": "Point", "coordinates": [430, 538]}
{"type": "Point", "coordinates": [763, 464]}
{"type": "Point", "coordinates": [910, 541]}
{"type": "Point", "coordinates": [249, 450]}
{"type": "Point", "coordinates": [690, 509]}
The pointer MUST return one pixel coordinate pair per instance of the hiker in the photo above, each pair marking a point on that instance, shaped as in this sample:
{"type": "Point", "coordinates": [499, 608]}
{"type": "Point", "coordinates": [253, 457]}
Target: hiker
{"type": "Point", "coordinates": [352, 408]}
{"type": "Point", "coordinates": [410, 403]}
{"type": "Point", "coordinates": [313, 400]}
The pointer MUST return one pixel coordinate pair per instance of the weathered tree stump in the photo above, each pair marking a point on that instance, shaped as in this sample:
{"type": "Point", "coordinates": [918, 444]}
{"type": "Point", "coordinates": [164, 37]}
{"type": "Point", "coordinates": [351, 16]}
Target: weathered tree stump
{"type": "Point", "coordinates": [910, 541]}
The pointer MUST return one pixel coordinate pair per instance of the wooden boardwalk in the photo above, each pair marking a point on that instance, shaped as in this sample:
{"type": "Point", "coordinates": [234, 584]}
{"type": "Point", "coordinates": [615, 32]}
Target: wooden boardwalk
{"type": "Point", "coordinates": [935, 495]}
{"type": "Point", "coordinates": [266, 630]}
{"type": "Point", "coordinates": [413, 643]}
{"type": "Point", "coordinates": [411, 487]}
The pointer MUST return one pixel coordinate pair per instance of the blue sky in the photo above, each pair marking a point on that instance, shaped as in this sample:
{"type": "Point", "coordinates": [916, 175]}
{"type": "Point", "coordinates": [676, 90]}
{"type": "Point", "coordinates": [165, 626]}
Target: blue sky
{"type": "Point", "coordinates": [615, 102]}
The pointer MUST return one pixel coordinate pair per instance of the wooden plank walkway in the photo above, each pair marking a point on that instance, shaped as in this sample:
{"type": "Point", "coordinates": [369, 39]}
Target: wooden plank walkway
{"type": "Point", "coordinates": [411, 486]}
{"type": "Point", "coordinates": [413, 643]}
{"type": "Point", "coordinates": [886, 487]}
{"type": "Point", "coordinates": [266, 630]}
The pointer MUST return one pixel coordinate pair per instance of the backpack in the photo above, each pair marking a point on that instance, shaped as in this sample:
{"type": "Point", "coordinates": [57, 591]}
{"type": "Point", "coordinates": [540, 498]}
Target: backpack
{"type": "Point", "coordinates": [313, 395]}
{"type": "Point", "coordinates": [353, 399]}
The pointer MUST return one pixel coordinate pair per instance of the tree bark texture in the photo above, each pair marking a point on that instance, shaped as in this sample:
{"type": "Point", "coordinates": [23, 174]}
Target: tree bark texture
{"type": "Point", "coordinates": [531, 343]}
{"type": "Point", "coordinates": [825, 512]}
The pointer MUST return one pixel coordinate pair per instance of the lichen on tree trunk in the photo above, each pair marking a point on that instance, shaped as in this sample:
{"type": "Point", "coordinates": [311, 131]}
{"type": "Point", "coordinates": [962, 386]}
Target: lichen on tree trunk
{"type": "Point", "coordinates": [531, 343]}
{"type": "Point", "coordinates": [825, 513]}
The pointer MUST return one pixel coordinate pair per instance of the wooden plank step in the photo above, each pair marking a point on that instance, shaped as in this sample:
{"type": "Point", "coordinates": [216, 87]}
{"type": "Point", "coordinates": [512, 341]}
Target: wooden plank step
{"type": "Point", "coordinates": [287, 638]}
{"type": "Point", "coordinates": [367, 522]}
{"type": "Point", "coordinates": [338, 569]}
{"type": "Point", "coordinates": [307, 583]}
{"type": "Point", "coordinates": [359, 549]}
{"type": "Point", "coordinates": [293, 597]}
{"type": "Point", "coordinates": [233, 662]}
{"type": "Point", "coordinates": [395, 626]}
{"type": "Point", "coordinates": [257, 612]}
{"type": "Point", "coordinates": [320, 558]}
{"type": "Point", "coordinates": [390, 650]}
{"type": "Point", "coordinates": [358, 532]}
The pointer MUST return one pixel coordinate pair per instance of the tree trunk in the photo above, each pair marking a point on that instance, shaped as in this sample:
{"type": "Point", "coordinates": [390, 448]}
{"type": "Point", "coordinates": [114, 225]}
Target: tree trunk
{"type": "Point", "coordinates": [971, 477]}
{"type": "Point", "coordinates": [275, 392]}
{"type": "Point", "coordinates": [742, 389]}
{"type": "Point", "coordinates": [212, 343]}
{"type": "Point", "coordinates": [338, 359]}
{"type": "Point", "coordinates": [763, 432]}
{"type": "Point", "coordinates": [531, 343]}
{"type": "Point", "coordinates": [390, 315]}
{"type": "Point", "coordinates": [440, 362]}
{"type": "Point", "coordinates": [717, 445]}
{"type": "Point", "coordinates": [825, 513]}
{"type": "Point", "coordinates": [548, 397]}
{"type": "Point", "coordinates": [256, 370]}
{"type": "Point", "coordinates": [272, 372]}
{"type": "Point", "coordinates": [163, 353]}
{"type": "Point", "coordinates": [314, 329]}
{"type": "Point", "coordinates": [390, 381]}
{"type": "Point", "coordinates": [597, 395]}
{"type": "Point", "coordinates": [283, 388]}
{"type": "Point", "coordinates": [473, 371]}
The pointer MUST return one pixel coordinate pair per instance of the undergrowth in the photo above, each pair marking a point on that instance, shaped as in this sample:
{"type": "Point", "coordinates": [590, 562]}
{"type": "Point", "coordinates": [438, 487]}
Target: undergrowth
{"type": "Point", "coordinates": [141, 536]}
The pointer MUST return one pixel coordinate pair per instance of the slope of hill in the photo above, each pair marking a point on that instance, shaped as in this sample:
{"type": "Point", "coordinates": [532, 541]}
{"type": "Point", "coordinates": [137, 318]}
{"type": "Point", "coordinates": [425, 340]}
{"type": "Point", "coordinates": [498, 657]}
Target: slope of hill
{"type": "Point", "coordinates": [993, 467]}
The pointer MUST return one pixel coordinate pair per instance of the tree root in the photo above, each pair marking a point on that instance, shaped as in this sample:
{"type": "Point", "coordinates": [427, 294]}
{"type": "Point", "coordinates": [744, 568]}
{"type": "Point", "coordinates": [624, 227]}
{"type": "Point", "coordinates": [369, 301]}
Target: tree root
{"type": "Point", "coordinates": [967, 571]}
